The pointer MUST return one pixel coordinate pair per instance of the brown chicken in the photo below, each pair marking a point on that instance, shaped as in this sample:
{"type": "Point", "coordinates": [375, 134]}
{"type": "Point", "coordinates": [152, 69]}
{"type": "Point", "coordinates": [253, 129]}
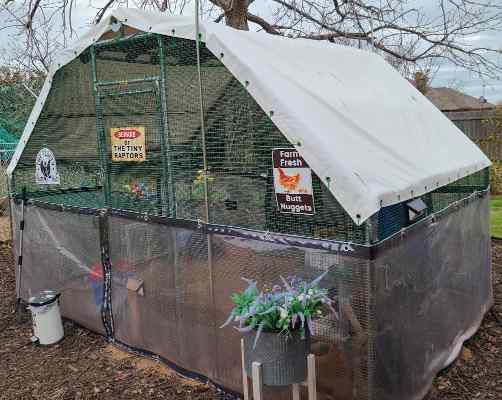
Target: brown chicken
{"type": "Point", "coordinates": [288, 182]}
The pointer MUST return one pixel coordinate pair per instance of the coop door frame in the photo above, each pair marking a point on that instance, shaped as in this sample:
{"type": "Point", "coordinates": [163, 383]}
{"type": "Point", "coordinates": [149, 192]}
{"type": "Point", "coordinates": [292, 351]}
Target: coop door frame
{"type": "Point", "coordinates": [156, 85]}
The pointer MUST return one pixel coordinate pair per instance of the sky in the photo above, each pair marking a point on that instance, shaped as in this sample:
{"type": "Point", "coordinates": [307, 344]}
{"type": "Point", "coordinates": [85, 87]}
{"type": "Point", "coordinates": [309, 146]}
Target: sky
{"type": "Point", "coordinates": [447, 75]}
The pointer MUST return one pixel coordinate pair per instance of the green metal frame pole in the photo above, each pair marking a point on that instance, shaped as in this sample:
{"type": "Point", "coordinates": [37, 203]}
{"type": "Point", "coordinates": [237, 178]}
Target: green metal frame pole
{"type": "Point", "coordinates": [100, 131]}
{"type": "Point", "coordinates": [168, 195]}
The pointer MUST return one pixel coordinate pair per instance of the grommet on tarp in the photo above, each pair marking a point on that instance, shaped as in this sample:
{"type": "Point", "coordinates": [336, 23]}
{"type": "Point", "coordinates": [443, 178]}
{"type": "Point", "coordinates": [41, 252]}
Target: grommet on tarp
{"type": "Point", "coordinates": [246, 83]}
{"type": "Point", "coordinates": [271, 113]}
{"type": "Point", "coordinates": [222, 55]}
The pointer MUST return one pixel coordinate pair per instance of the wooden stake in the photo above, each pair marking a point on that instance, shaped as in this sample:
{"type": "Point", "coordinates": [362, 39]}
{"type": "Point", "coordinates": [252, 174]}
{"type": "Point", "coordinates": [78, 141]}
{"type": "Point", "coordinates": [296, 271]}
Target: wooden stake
{"type": "Point", "coordinates": [257, 381]}
{"type": "Point", "coordinates": [296, 391]}
{"type": "Point", "coordinates": [311, 377]}
{"type": "Point", "coordinates": [245, 384]}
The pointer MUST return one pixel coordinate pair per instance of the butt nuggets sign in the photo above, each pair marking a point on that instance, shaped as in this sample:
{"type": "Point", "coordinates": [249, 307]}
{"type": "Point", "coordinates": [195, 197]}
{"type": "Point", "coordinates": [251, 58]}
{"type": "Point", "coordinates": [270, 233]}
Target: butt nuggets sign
{"type": "Point", "coordinates": [292, 182]}
{"type": "Point", "coordinates": [128, 144]}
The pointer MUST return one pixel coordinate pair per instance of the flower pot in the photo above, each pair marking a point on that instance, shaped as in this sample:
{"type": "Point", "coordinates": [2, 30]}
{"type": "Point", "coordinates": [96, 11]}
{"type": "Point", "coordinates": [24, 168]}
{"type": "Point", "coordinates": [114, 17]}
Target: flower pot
{"type": "Point", "coordinates": [283, 358]}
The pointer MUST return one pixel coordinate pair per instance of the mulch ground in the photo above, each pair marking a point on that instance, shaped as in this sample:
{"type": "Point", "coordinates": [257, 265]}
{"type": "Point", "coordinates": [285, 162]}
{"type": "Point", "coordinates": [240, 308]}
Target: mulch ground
{"type": "Point", "coordinates": [477, 373]}
{"type": "Point", "coordinates": [82, 366]}
{"type": "Point", "coordinates": [85, 366]}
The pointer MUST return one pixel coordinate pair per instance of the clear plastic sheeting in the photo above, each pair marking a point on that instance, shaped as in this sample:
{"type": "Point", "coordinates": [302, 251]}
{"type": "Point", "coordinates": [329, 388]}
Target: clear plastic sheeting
{"type": "Point", "coordinates": [432, 286]}
{"type": "Point", "coordinates": [404, 306]}
{"type": "Point", "coordinates": [172, 286]}
{"type": "Point", "coordinates": [61, 252]}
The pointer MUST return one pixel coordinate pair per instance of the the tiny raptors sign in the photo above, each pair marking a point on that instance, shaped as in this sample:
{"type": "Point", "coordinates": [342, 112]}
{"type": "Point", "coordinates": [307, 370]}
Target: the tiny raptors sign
{"type": "Point", "coordinates": [128, 144]}
{"type": "Point", "coordinates": [292, 182]}
{"type": "Point", "coordinates": [46, 172]}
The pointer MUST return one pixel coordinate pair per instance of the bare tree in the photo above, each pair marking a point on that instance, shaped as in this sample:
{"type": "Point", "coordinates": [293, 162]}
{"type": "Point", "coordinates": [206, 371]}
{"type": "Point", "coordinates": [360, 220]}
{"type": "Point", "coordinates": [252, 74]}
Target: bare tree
{"type": "Point", "coordinates": [405, 31]}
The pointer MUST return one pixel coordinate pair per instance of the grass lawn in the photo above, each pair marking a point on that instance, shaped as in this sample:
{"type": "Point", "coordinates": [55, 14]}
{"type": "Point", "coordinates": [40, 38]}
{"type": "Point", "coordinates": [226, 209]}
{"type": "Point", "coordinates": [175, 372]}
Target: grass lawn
{"type": "Point", "coordinates": [496, 216]}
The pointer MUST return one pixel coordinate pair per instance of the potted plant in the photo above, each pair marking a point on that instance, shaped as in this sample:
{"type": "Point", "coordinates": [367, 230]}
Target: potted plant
{"type": "Point", "coordinates": [277, 325]}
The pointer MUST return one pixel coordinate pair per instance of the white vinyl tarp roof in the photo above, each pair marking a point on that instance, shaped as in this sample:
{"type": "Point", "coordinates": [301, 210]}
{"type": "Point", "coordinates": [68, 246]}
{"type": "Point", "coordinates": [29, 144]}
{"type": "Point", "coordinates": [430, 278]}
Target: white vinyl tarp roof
{"type": "Point", "coordinates": [368, 134]}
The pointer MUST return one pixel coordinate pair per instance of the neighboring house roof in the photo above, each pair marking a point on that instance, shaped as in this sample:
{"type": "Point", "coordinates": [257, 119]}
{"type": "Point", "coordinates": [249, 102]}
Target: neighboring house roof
{"type": "Point", "coordinates": [448, 99]}
{"type": "Point", "coordinates": [371, 138]}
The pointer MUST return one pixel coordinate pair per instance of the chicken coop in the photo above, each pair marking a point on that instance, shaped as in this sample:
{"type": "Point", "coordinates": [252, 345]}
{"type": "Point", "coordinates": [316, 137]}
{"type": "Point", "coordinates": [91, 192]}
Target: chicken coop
{"type": "Point", "coordinates": [159, 166]}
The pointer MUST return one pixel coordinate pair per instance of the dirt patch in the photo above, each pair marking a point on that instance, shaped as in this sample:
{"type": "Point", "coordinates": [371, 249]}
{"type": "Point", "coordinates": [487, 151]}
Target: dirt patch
{"type": "Point", "coordinates": [4, 228]}
{"type": "Point", "coordinates": [85, 366]}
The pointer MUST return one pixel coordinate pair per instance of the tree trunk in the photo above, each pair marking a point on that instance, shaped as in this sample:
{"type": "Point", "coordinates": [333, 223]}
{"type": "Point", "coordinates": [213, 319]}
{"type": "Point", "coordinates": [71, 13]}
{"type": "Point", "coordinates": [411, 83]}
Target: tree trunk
{"type": "Point", "coordinates": [237, 15]}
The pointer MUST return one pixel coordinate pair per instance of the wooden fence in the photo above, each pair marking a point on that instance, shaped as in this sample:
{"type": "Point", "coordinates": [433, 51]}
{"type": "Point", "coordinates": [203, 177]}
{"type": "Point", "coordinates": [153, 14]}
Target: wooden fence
{"type": "Point", "coordinates": [476, 125]}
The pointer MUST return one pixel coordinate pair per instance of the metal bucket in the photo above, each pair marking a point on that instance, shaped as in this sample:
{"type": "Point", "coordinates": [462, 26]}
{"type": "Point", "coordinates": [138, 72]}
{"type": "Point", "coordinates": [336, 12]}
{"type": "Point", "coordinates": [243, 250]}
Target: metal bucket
{"type": "Point", "coordinates": [283, 358]}
{"type": "Point", "coordinates": [47, 323]}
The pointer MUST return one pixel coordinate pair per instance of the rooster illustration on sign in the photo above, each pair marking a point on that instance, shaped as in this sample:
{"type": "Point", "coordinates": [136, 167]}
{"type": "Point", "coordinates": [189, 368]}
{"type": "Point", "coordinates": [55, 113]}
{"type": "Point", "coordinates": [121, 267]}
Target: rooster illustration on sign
{"type": "Point", "coordinates": [46, 170]}
{"type": "Point", "coordinates": [289, 182]}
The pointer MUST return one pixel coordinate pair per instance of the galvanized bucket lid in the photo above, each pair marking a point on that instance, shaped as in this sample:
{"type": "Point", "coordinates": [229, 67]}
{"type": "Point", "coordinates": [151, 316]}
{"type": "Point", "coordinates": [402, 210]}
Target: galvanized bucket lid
{"type": "Point", "coordinates": [43, 298]}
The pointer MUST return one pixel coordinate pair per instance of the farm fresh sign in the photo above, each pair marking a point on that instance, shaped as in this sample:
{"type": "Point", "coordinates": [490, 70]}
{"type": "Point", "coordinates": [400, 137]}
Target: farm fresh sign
{"type": "Point", "coordinates": [128, 144]}
{"type": "Point", "coordinates": [292, 182]}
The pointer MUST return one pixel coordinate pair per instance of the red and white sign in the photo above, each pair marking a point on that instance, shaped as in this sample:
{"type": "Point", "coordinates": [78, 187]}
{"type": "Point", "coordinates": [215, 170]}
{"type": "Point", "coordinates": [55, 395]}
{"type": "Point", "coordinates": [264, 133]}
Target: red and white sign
{"type": "Point", "coordinates": [128, 144]}
{"type": "Point", "coordinates": [292, 182]}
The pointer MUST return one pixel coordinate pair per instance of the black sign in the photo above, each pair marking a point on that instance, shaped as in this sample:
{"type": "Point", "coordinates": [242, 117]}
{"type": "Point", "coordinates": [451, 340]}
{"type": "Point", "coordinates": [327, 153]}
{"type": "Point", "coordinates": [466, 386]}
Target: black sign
{"type": "Point", "coordinates": [292, 182]}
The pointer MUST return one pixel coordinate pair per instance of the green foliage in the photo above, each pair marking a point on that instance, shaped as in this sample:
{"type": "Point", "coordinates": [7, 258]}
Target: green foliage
{"type": "Point", "coordinates": [496, 217]}
{"type": "Point", "coordinates": [16, 101]}
{"type": "Point", "coordinates": [280, 309]}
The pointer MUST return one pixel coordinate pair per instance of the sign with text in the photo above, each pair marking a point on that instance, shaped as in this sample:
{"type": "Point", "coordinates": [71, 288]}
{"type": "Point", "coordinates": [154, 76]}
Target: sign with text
{"type": "Point", "coordinates": [128, 144]}
{"type": "Point", "coordinates": [292, 182]}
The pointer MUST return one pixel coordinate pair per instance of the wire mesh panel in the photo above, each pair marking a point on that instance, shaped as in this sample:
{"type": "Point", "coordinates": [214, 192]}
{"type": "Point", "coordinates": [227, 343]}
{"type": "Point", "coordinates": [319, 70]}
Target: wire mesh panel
{"type": "Point", "coordinates": [393, 218]}
{"type": "Point", "coordinates": [143, 286]}
{"type": "Point", "coordinates": [130, 124]}
{"type": "Point", "coordinates": [340, 343]}
{"type": "Point", "coordinates": [134, 167]}
{"type": "Point", "coordinates": [185, 138]}
{"type": "Point", "coordinates": [240, 140]}
{"type": "Point", "coordinates": [66, 126]}
{"type": "Point", "coordinates": [135, 57]}
{"type": "Point", "coordinates": [61, 252]}
{"type": "Point", "coordinates": [161, 295]}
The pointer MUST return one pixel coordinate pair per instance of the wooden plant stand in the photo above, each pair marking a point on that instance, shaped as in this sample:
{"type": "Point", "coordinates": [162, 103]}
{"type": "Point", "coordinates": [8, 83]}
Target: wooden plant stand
{"type": "Point", "coordinates": [257, 383]}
